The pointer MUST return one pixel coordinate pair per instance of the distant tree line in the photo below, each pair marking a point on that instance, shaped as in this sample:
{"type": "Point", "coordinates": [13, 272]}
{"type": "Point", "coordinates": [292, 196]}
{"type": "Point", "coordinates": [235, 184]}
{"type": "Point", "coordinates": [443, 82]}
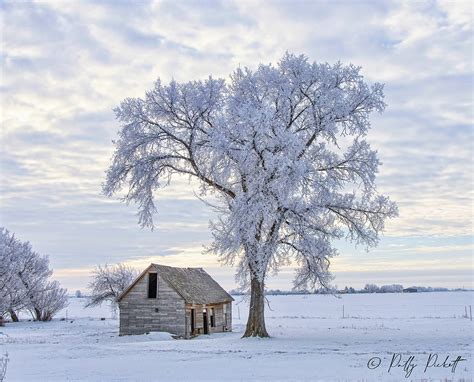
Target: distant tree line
{"type": "Point", "coordinates": [368, 288]}
{"type": "Point", "coordinates": [25, 283]}
{"type": "Point", "coordinates": [237, 292]}
{"type": "Point", "coordinates": [372, 288]}
{"type": "Point", "coordinates": [394, 288]}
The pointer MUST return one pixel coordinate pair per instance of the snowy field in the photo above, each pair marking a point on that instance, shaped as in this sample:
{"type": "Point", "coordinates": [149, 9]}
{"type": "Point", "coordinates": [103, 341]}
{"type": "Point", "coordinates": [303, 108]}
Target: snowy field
{"type": "Point", "coordinates": [311, 341]}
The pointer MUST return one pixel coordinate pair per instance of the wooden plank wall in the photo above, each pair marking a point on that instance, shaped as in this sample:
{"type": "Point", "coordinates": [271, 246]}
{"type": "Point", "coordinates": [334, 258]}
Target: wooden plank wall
{"type": "Point", "coordinates": [140, 314]}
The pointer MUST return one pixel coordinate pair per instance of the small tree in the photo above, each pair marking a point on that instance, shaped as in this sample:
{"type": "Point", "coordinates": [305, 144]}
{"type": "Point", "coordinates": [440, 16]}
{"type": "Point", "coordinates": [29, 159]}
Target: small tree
{"type": "Point", "coordinates": [108, 282]}
{"type": "Point", "coordinates": [282, 148]}
{"type": "Point", "coordinates": [78, 294]}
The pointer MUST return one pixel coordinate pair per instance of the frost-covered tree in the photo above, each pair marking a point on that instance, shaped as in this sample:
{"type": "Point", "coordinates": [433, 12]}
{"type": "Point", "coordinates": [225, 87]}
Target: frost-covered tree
{"type": "Point", "coordinates": [9, 283]}
{"type": "Point", "coordinates": [33, 274]}
{"type": "Point", "coordinates": [108, 282]}
{"type": "Point", "coordinates": [22, 275]}
{"type": "Point", "coordinates": [283, 151]}
{"type": "Point", "coordinates": [393, 288]}
{"type": "Point", "coordinates": [78, 293]}
{"type": "Point", "coordinates": [371, 288]}
{"type": "Point", "coordinates": [24, 280]}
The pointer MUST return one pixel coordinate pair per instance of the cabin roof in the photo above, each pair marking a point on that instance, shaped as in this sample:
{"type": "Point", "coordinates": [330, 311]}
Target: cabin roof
{"type": "Point", "coordinates": [194, 285]}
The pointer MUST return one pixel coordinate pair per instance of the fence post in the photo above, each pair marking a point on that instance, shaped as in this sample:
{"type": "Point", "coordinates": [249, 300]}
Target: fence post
{"type": "Point", "coordinates": [470, 311]}
{"type": "Point", "coordinates": [342, 311]}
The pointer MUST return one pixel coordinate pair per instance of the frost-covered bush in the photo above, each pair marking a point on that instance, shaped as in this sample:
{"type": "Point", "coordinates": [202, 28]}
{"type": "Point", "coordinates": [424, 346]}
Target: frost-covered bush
{"type": "Point", "coordinates": [47, 302]}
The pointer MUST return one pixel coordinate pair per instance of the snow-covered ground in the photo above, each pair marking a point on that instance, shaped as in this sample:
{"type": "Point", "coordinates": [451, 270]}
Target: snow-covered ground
{"type": "Point", "coordinates": [310, 342]}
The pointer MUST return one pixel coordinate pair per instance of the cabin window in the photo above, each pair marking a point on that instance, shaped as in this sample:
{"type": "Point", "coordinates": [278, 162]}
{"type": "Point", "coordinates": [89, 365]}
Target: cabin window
{"type": "Point", "coordinates": [152, 285]}
{"type": "Point", "coordinates": [213, 320]}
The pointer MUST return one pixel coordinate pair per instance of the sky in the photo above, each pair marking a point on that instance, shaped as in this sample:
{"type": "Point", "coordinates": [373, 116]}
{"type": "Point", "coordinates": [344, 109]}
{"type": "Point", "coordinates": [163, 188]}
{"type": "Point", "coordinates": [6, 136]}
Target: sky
{"type": "Point", "coordinates": [65, 65]}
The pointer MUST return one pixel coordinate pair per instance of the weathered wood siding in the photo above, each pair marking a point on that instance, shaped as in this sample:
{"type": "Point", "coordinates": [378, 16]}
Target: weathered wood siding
{"type": "Point", "coordinates": [228, 315]}
{"type": "Point", "coordinates": [140, 314]}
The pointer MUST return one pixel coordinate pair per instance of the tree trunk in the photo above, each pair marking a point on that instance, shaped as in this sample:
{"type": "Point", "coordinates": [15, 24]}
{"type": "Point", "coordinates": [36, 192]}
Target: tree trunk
{"type": "Point", "coordinates": [37, 314]}
{"type": "Point", "coordinates": [256, 320]}
{"type": "Point", "coordinates": [13, 315]}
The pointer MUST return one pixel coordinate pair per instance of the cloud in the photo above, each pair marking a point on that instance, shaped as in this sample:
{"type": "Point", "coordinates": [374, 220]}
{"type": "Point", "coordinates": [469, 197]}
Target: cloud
{"type": "Point", "coordinates": [66, 65]}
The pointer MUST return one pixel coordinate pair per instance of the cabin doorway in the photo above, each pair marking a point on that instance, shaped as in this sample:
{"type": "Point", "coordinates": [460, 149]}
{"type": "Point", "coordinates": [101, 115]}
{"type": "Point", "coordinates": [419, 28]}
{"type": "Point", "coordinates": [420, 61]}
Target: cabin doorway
{"type": "Point", "coordinates": [193, 325]}
{"type": "Point", "coordinates": [205, 321]}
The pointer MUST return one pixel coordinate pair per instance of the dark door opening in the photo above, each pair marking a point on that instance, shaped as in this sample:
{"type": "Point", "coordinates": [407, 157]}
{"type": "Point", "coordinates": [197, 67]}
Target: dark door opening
{"type": "Point", "coordinates": [192, 321]}
{"type": "Point", "coordinates": [206, 323]}
{"type": "Point", "coordinates": [213, 318]}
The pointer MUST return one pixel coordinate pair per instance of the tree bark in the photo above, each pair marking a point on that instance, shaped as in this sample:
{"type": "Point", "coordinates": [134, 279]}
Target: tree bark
{"type": "Point", "coordinates": [256, 319]}
{"type": "Point", "coordinates": [13, 315]}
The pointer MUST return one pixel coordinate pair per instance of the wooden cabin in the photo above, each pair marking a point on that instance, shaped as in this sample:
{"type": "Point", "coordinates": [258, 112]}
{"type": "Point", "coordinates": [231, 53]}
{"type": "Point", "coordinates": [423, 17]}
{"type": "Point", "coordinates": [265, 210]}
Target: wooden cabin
{"type": "Point", "coordinates": [182, 301]}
